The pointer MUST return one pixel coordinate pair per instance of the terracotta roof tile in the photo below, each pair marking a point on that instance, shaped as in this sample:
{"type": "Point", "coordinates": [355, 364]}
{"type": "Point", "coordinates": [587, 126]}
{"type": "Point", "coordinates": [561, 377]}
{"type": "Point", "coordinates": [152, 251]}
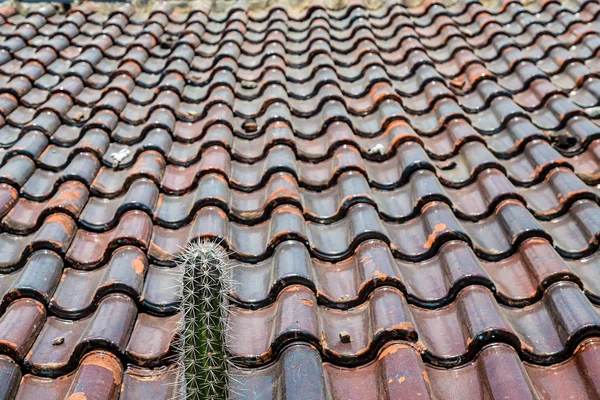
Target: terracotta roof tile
{"type": "Point", "coordinates": [408, 193]}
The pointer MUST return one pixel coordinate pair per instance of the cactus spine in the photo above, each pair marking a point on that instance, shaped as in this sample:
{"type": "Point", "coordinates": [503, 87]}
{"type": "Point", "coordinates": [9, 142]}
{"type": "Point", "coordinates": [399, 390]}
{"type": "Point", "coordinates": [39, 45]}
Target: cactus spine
{"type": "Point", "coordinates": [205, 282]}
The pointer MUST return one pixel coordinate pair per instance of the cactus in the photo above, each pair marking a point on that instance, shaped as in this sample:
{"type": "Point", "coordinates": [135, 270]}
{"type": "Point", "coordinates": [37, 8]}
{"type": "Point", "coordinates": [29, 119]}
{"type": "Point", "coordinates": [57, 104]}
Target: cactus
{"type": "Point", "coordinates": [204, 278]}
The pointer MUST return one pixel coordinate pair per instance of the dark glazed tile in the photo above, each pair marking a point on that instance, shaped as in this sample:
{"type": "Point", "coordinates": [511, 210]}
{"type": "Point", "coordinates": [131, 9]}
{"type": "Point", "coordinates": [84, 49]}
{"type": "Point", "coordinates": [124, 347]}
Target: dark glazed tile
{"type": "Point", "coordinates": [110, 182]}
{"type": "Point", "coordinates": [38, 278]}
{"type": "Point", "coordinates": [11, 377]}
{"type": "Point", "coordinates": [79, 292]}
{"type": "Point", "coordinates": [19, 326]}
{"type": "Point", "coordinates": [43, 183]}
{"type": "Point", "coordinates": [110, 325]}
{"type": "Point", "coordinates": [151, 338]}
{"type": "Point", "coordinates": [98, 376]}
{"type": "Point", "coordinates": [56, 233]}
{"type": "Point", "coordinates": [26, 215]}
{"type": "Point", "coordinates": [158, 383]}
{"type": "Point", "coordinates": [89, 249]}
{"type": "Point", "coordinates": [102, 213]}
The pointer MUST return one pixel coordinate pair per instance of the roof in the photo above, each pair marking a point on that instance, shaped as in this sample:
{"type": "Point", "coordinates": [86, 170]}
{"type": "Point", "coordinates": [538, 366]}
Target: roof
{"type": "Point", "coordinates": [408, 194]}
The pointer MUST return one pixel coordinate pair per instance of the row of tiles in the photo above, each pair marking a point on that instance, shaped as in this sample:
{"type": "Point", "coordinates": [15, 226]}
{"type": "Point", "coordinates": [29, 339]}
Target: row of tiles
{"type": "Point", "coordinates": [46, 66]}
{"type": "Point", "coordinates": [51, 346]}
{"type": "Point", "coordinates": [555, 20]}
{"type": "Point", "coordinates": [473, 19]}
{"type": "Point", "coordinates": [574, 235]}
{"type": "Point", "coordinates": [374, 111]}
{"type": "Point", "coordinates": [527, 86]}
{"type": "Point", "coordinates": [582, 48]}
{"type": "Point", "coordinates": [55, 150]}
{"type": "Point", "coordinates": [397, 373]}
{"type": "Point", "coordinates": [464, 14]}
{"type": "Point", "coordinates": [463, 69]}
{"type": "Point", "coordinates": [193, 50]}
{"type": "Point", "coordinates": [424, 13]}
{"type": "Point", "coordinates": [152, 51]}
{"type": "Point", "coordinates": [531, 167]}
{"type": "Point", "coordinates": [53, 144]}
{"type": "Point", "coordinates": [517, 281]}
{"type": "Point", "coordinates": [550, 199]}
{"type": "Point", "coordinates": [546, 332]}
{"type": "Point", "coordinates": [59, 111]}
{"type": "Point", "coordinates": [74, 294]}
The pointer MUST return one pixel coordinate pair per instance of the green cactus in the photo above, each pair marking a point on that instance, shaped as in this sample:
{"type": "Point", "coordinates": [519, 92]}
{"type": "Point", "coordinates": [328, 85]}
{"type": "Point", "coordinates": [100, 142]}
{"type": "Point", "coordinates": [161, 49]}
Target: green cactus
{"type": "Point", "coordinates": [205, 282]}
